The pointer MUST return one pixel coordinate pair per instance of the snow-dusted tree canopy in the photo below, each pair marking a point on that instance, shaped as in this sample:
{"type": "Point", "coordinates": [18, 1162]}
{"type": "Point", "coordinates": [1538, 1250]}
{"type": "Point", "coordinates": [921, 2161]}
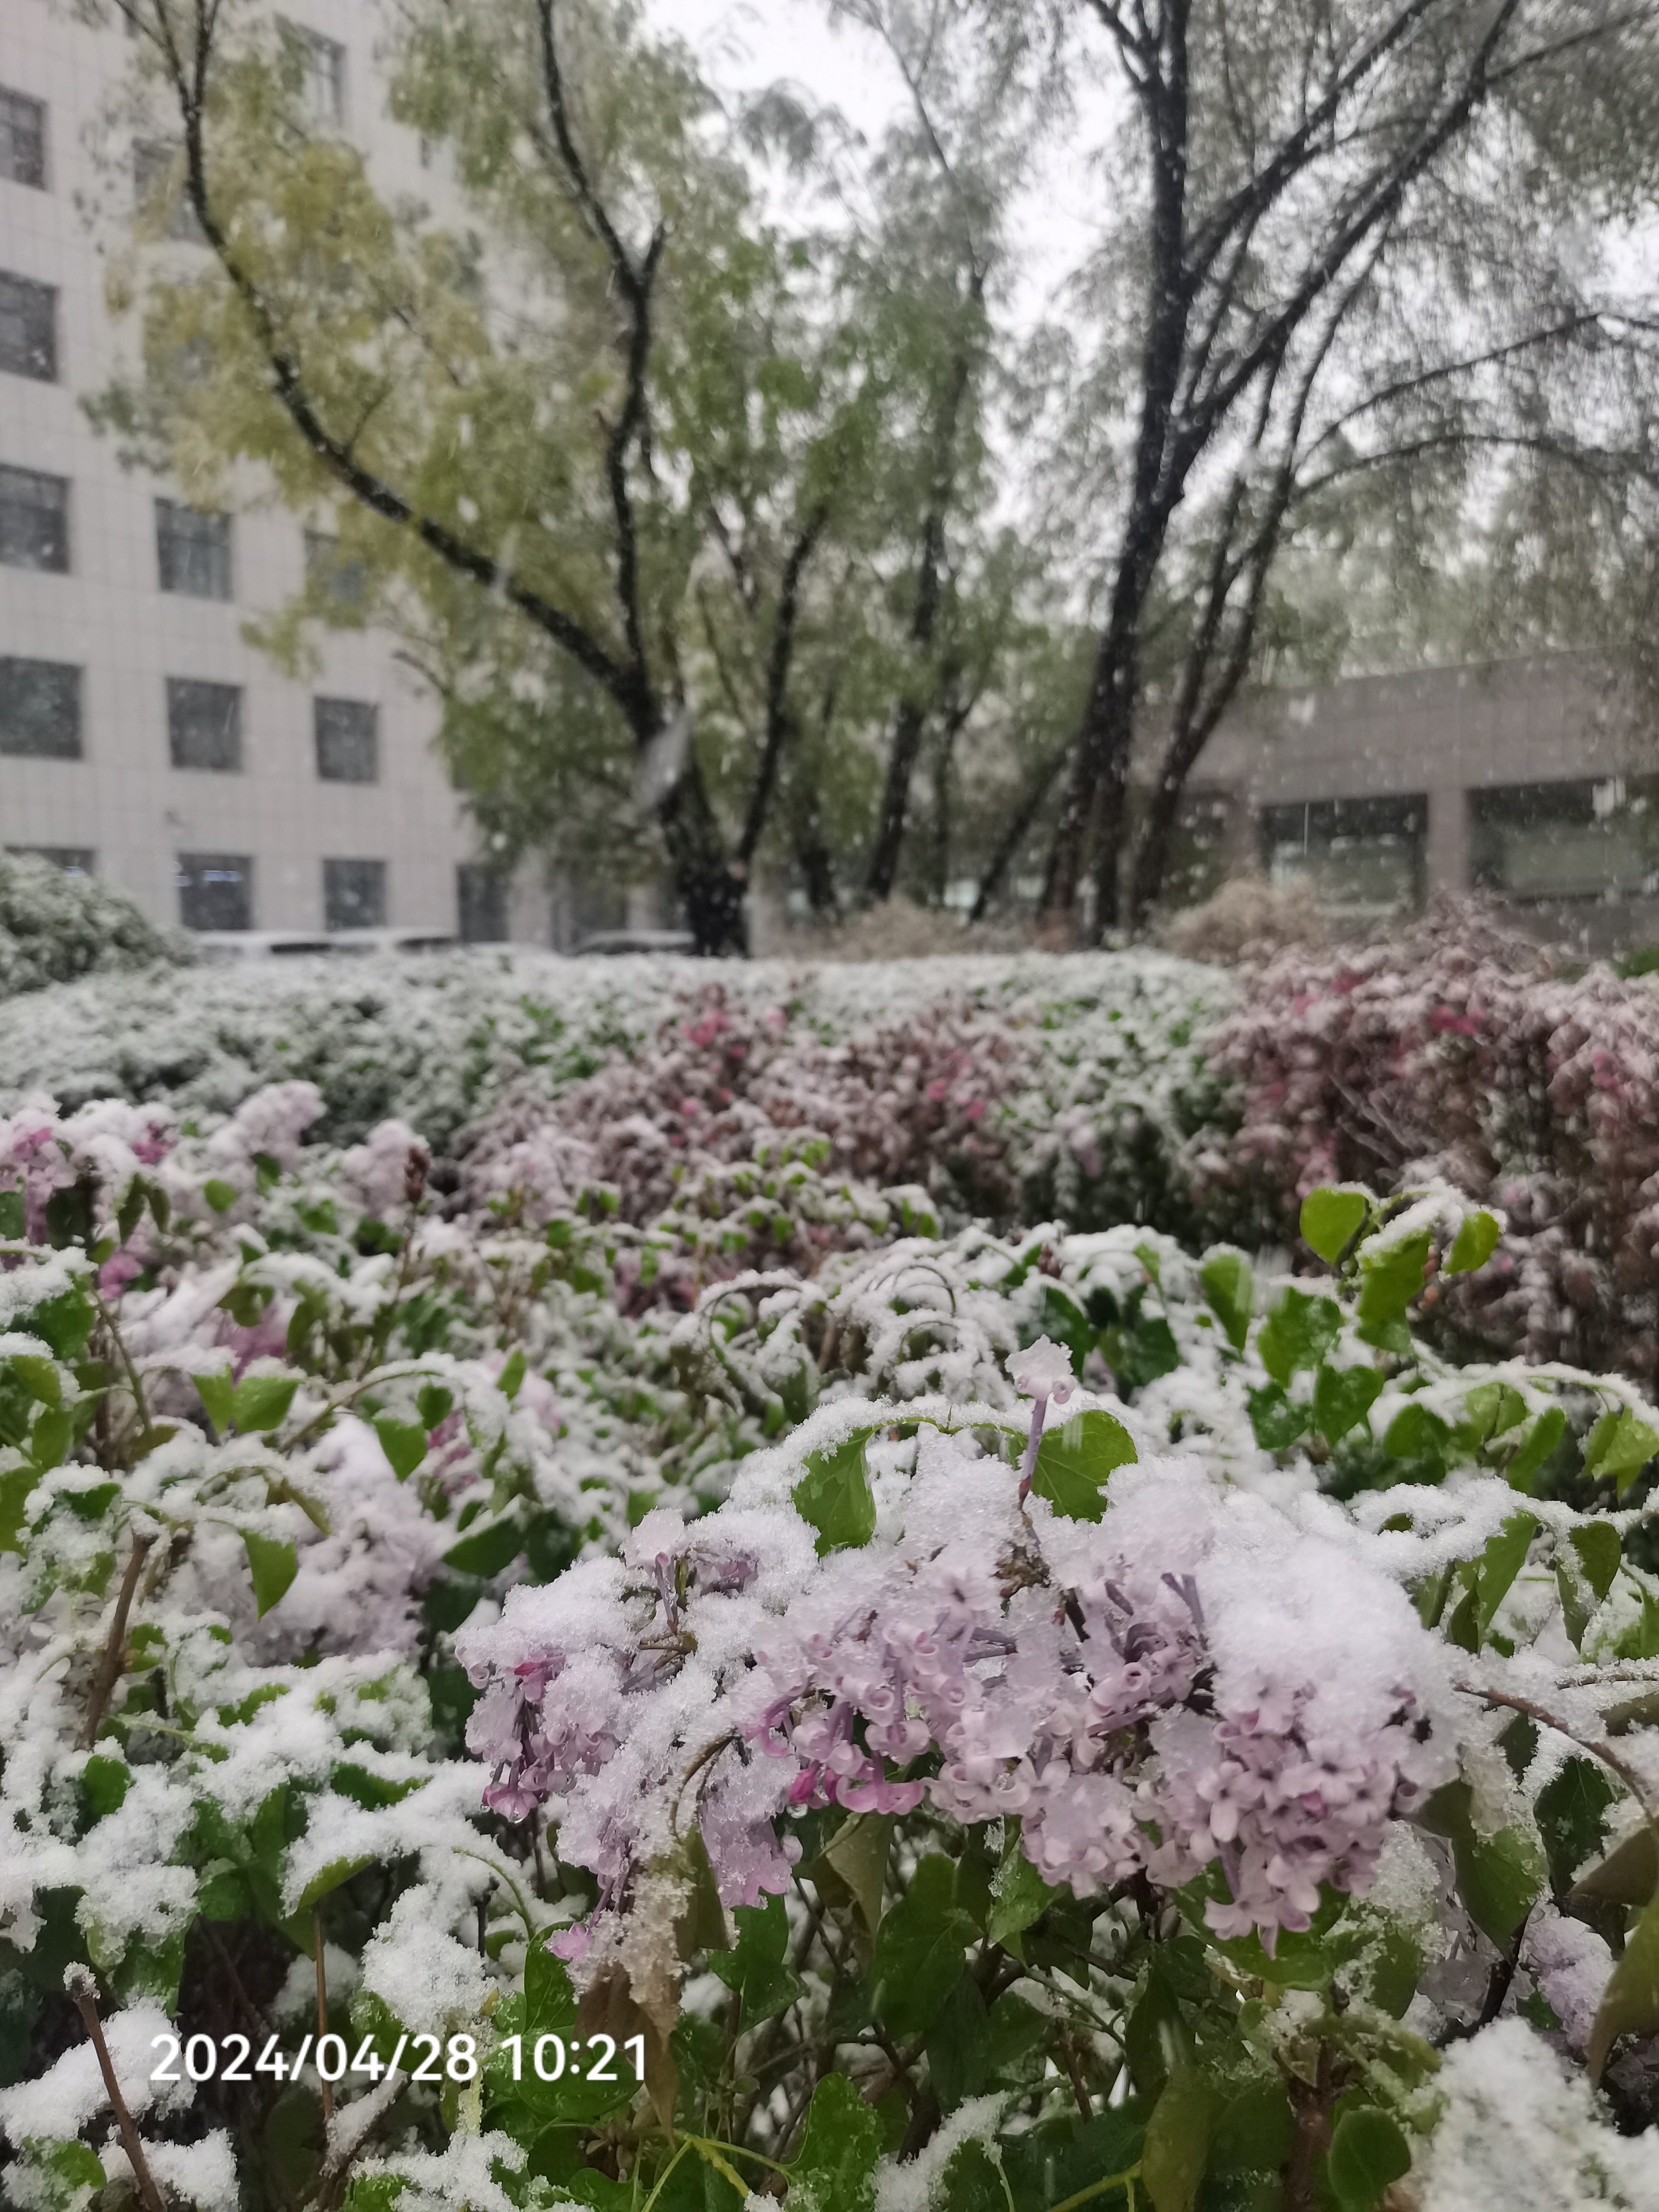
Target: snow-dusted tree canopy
{"type": "Point", "coordinates": [901, 1589]}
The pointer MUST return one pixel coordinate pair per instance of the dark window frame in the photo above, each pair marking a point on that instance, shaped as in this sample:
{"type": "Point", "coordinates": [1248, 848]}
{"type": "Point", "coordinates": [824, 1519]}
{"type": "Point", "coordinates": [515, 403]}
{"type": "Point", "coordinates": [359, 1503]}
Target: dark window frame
{"type": "Point", "coordinates": [345, 904]}
{"type": "Point", "coordinates": [213, 886]}
{"type": "Point", "coordinates": [13, 171]}
{"type": "Point", "coordinates": [345, 755]}
{"type": "Point", "coordinates": [36, 355]}
{"type": "Point", "coordinates": [480, 892]}
{"type": "Point", "coordinates": [195, 745]}
{"type": "Point", "coordinates": [23, 493]}
{"type": "Point", "coordinates": [14, 734]}
{"type": "Point", "coordinates": [184, 535]}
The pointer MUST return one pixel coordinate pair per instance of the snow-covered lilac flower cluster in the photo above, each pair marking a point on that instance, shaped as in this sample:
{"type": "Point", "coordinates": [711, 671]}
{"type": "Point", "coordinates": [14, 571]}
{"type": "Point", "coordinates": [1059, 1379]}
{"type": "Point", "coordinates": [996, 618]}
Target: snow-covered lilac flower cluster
{"type": "Point", "coordinates": [1173, 1689]}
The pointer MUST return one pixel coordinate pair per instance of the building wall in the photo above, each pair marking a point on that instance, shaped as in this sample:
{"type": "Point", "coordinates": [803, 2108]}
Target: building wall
{"type": "Point", "coordinates": [122, 800]}
{"type": "Point", "coordinates": [1445, 735]}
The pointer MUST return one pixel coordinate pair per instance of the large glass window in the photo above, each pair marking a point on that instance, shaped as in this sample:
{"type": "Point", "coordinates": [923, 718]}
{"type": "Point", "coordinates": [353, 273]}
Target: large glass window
{"type": "Point", "coordinates": [1577, 840]}
{"type": "Point", "coordinates": [215, 891]}
{"type": "Point", "coordinates": [39, 709]}
{"type": "Point", "coordinates": [204, 725]}
{"type": "Point", "coordinates": [34, 521]}
{"type": "Point", "coordinates": [192, 551]}
{"type": "Point", "coordinates": [481, 902]}
{"type": "Point", "coordinates": [28, 328]}
{"type": "Point", "coordinates": [22, 139]}
{"type": "Point", "coordinates": [1364, 854]}
{"type": "Point", "coordinates": [347, 740]}
{"type": "Point", "coordinates": [321, 64]}
{"type": "Point", "coordinates": [354, 894]}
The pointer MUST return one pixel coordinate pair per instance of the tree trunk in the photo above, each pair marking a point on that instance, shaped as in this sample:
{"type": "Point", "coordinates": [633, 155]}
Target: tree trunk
{"type": "Point", "coordinates": [908, 725]}
{"type": "Point", "coordinates": [709, 885]}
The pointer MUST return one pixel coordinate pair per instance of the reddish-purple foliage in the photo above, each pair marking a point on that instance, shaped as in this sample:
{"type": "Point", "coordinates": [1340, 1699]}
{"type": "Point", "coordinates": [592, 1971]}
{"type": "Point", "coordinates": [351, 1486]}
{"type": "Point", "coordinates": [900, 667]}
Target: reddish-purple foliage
{"type": "Point", "coordinates": [1464, 1052]}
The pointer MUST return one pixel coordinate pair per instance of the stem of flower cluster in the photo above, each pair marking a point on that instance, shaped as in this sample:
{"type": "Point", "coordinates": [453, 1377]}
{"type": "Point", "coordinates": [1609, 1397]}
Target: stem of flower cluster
{"type": "Point", "coordinates": [84, 1995]}
{"type": "Point", "coordinates": [1028, 1467]}
{"type": "Point", "coordinates": [109, 1665]}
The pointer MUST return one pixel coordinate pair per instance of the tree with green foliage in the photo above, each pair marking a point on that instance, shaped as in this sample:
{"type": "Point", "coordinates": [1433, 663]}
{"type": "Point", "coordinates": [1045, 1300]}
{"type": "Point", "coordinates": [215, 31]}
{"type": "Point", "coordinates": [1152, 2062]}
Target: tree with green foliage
{"type": "Point", "coordinates": [610, 462]}
{"type": "Point", "coordinates": [1358, 243]}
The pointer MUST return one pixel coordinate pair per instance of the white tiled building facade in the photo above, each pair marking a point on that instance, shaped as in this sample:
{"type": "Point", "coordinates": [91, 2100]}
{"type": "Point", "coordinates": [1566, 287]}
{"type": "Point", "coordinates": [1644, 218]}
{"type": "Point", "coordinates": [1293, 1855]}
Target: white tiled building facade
{"type": "Point", "coordinates": [140, 735]}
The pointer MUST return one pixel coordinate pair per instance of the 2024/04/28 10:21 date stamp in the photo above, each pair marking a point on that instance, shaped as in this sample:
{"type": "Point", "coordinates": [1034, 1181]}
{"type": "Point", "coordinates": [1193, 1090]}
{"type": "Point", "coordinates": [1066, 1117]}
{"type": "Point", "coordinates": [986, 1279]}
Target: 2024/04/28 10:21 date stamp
{"type": "Point", "coordinates": [550, 2058]}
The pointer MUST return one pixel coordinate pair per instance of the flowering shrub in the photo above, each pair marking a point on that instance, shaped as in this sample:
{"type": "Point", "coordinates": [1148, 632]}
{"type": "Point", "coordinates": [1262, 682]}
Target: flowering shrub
{"type": "Point", "coordinates": [1463, 1052]}
{"type": "Point", "coordinates": [957, 1716]}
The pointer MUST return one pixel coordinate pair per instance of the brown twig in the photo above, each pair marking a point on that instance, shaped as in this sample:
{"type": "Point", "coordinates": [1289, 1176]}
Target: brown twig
{"type": "Point", "coordinates": [1632, 1779]}
{"type": "Point", "coordinates": [326, 2087]}
{"type": "Point", "coordinates": [109, 1667]}
{"type": "Point", "coordinates": [83, 1994]}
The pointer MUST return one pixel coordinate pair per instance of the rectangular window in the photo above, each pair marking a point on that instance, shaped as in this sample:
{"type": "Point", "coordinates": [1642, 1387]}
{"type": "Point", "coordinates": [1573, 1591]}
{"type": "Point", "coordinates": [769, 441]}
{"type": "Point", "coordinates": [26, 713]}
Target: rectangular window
{"type": "Point", "coordinates": [334, 576]}
{"type": "Point", "coordinates": [321, 64]}
{"type": "Point", "coordinates": [204, 725]}
{"type": "Point", "coordinates": [158, 189]}
{"type": "Point", "coordinates": [215, 891]}
{"type": "Point", "coordinates": [29, 329]}
{"type": "Point", "coordinates": [347, 740]}
{"type": "Point", "coordinates": [22, 139]}
{"type": "Point", "coordinates": [1365, 855]}
{"type": "Point", "coordinates": [192, 551]}
{"type": "Point", "coordinates": [34, 521]}
{"type": "Point", "coordinates": [73, 860]}
{"type": "Point", "coordinates": [1575, 840]}
{"type": "Point", "coordinates": [354, 894]}
{"type": "Point", "coordinates": [40, 710]}
{"type": "Point", "coordinates": [481, 904]}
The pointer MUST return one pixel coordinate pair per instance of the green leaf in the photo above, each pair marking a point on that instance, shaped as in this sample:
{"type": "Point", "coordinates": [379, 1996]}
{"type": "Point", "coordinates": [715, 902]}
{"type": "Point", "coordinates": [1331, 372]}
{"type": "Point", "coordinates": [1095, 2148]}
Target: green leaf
{"type": "Point", "coordinates": [69, 1216]}
{"type": "Point", "coordinates": [217, 1394]}
{"type": "Point", "coordinates": [1297, 1333]}
{"type": "Point", "coordinates": [1620, 1445]}
{"type": "Point", "coordinates": [1499, 1877]}
{"type": "Point", "coordinates": [1230, 1285]}
{"type": "Point", "coordinates": [1140, 1355]}
{"type": "Point", "coordinates": [1390, 1277]}
{"type": "Point", "coordinates": [835, 1497]}
{"type": "Point", "coordinates": [14, 1225]}
{"type": "Point", "coordinates": [486, 1551]}
{"type": "Point", "coordinates": [835, 2169]}
{"type": "Point", "coordinates": [1368, 2152]}
{"type": "Point", "coordinates": [38, 1377]}
{"type": "Point", "coordinates": [1492, 1409]}
{"type": "Point", "coordinates": [1540, 1440]}
{"type": "Point", "coordinates": [1474, 1243]}
{"type": "Point", "coordinates": [272, 1566]}
{"type": "Point", "coordinates": [1599, 1547]}
{"type": "Point", "coordinates": [1020, 1895]}
{"type": "Point", "coordinates": [1417, 1433]}
{"type": "Point", "coordinates": [1500, 1562]}
{"type": "Point", "coordinates": [14, 1488]}
{"type": "Point", "coordinates": [1075, 1463]}
{"type": "Point", "coordinates": [103, 1784]}
{"type": "Point", "coordinates": [1332, 1218]}
{"type": "Point", "coordinates": [1274, 1421]}
{"type": "Point", "coordinates": [1177, 2146]}
{"type": "Point", "coordinates": [1571, 1810]}
{"type": "Point", "coordinates": [329, 1877]}
{"type": "Point", "coordinates": [1342, 1398]}
{"type": "Point", "coordinates": [921, 1950]}
{"type": "Point", "coordinates": [63, 1322]}
{"type": "Point", "coordinates": [220, 1195]}
{"type": "Point", "coordinates": [434, 1403]}
{"type": "Point", "coordinates": [852, 1867]}
{"type": "Point", "coordinates": [756, 1966]}
{"type": "Point", "coordinates": [404, 1443]}
{"type": "Point", "coordinates": [508, 1379]}
{"type": "Point", "coordinates": [130, 1211]}
{"type": "Point", "coordinates": [1630, 2003]}
{"type": "Point", "coordinates": [1630, 1873]}
{"type": "Point", "coordinates": [261, 1401]}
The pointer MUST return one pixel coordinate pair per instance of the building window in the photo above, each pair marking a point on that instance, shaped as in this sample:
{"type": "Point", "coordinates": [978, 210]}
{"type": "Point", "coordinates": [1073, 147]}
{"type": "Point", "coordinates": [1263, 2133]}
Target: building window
{"type": "Point", "coordinates": [34, 521]}
{"type": "Point", "coordinates": [215, 891]}
{"type": "Point", "coordinates": [72, 860]}
{"type": "Point", "coordinates": [354, 894]}
{"type": "Point", "coordinates": [22, 139]}
{"type": "Point", "coordinates": [1534, 842]}
{"type": "Point", "coordinates": [481, 902]}
{"type": "Point", "coordinates": [204, 725]}
{"type": "Point", "coordinates": [320, 64]}
{"type": "Point", "coordinates": [334, 576]}
{"type": "Point", "coordinates": [158, 188]}
{"type": "Point", "coordinates": [192, 551]}
{"type": "Point", "coordinates": [347, 740]}
{"type": "Point", "coordinates": [1364, 856]}
{"type": "Point", "coordinates": [40, 710]}
{"type": "Point", "coordinates": [29, 329]}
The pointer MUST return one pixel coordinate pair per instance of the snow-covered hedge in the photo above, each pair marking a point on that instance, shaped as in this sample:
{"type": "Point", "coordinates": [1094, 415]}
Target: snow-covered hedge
{"type": "Point", "coordinates": [998, 1716]}
{"type": "Point", "coordinates": [55, 927]}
